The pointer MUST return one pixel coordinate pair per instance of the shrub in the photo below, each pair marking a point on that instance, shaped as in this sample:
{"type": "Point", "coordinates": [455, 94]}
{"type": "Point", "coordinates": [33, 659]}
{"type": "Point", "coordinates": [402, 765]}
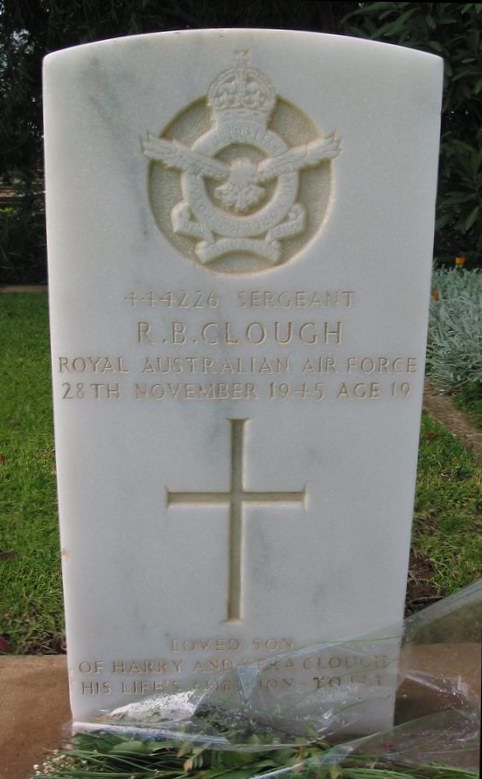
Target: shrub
{"type": "Point", "coordinates": [29, 30]}
{"type": "Point", "coordinates": [22, 242]}
{"type": "Point", "coordinates": [454, 32]}
{"type": "Point", "coordinates": [454, 351]}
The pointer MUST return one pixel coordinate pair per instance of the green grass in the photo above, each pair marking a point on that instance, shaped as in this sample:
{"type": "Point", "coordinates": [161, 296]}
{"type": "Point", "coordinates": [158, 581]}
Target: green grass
{"type": "Point", "coordinates": [31, 613]}
{"type": "Point", "coordinates": [447, 529]}
{"type": "Point", "coordinates": [447, 532]}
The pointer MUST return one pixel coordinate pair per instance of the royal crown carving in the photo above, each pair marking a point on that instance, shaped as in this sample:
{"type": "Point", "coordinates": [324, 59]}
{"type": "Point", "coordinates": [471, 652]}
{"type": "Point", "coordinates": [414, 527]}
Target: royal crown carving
{"type": "Point", "coordinates": [240, 179]}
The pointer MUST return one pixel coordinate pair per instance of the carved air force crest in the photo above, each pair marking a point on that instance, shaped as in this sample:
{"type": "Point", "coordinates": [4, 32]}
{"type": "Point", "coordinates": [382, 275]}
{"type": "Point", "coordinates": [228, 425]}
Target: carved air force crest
{"type": "Point", "coordinates": [240, 181]}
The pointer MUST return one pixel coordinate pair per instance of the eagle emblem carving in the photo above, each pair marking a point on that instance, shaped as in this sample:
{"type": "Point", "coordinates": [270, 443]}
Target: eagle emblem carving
{"type": "Point", "coordinates": [243, 202]}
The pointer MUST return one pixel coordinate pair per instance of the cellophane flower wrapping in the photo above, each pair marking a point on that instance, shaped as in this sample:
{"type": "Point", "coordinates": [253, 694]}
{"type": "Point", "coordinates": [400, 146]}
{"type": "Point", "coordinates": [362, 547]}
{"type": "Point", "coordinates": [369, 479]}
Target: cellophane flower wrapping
{"type": "Point", "coordinates": [433, 665]}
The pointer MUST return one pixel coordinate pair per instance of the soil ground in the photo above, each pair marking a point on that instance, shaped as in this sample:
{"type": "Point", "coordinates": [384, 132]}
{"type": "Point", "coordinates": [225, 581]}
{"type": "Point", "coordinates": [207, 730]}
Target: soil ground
{"type": "Point", "coordinates": [440, 405]}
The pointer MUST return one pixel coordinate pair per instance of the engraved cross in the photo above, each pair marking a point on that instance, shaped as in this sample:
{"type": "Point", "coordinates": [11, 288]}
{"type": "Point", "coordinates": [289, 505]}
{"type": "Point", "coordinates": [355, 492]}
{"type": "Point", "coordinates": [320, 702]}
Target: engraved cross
{"type": "Point", "coordinates": [236, 498]}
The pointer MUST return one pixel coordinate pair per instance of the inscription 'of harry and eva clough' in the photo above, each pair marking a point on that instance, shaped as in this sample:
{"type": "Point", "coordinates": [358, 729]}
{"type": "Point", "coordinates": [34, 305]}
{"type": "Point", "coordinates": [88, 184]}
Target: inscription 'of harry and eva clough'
{"type": "Point", "coordinates": [358, 661]}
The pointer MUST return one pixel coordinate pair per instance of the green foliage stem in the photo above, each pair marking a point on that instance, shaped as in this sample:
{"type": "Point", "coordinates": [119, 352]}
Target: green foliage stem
{"type": "Point", "coordinates": [104, 756]}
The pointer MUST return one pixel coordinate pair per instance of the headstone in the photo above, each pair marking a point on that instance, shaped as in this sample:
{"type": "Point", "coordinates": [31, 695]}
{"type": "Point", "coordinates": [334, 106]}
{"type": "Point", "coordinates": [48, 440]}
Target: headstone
{"type": "Point", "coordinates": [240, 228]}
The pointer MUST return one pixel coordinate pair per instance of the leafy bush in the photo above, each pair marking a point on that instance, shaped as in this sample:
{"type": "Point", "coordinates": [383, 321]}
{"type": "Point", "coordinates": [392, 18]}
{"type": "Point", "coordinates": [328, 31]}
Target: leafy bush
{"type": "Point", "coordinates": [454, 32]}
{"type": "Point", "coordinates": [22, 242]}
{"type": "Point", "coordinates": [454, 351]}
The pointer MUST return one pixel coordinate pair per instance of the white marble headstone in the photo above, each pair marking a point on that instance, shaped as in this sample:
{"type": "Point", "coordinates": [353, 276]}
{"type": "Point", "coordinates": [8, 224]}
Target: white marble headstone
{"type": "Point", "coordinates": [240, 229]}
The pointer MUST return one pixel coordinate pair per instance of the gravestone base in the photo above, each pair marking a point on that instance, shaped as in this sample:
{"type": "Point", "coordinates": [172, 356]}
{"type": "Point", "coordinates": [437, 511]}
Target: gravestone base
{"type": "Point", "coordinates": [35, 706]}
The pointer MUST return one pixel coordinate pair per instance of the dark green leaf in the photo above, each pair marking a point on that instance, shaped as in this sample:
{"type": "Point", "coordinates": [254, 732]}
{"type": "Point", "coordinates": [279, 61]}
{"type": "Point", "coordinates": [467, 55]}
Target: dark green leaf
{"type": "Point", "coordinates": [472, 217]}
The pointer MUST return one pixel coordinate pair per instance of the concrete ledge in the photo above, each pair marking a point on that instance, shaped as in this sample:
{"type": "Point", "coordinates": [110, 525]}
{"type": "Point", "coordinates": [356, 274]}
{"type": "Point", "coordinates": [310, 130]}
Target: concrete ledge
{"type": "Point", "coordinates": [24, 288]}
{"type": "Point", "coordinates": [34, 706]}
